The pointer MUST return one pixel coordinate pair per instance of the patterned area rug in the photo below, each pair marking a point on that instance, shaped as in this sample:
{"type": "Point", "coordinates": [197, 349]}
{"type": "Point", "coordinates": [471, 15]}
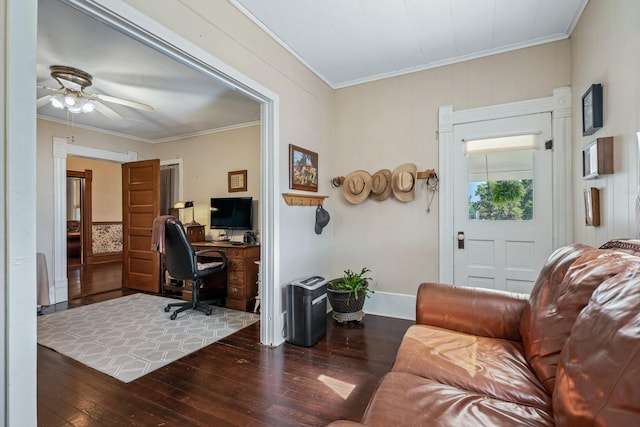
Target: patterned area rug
{"type": "Point", "coordinates": [131, 336]}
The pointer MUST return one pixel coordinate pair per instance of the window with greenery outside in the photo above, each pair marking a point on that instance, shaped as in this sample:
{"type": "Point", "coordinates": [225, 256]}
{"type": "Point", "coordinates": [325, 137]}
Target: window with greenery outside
{"type": "Point", "coordinates": [501, 200]}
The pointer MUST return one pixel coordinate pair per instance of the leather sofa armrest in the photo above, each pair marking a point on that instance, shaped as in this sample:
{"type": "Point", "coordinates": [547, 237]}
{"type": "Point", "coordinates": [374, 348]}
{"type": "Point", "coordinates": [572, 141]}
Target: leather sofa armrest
{"type": "Point", "coordinates": [476, 311]}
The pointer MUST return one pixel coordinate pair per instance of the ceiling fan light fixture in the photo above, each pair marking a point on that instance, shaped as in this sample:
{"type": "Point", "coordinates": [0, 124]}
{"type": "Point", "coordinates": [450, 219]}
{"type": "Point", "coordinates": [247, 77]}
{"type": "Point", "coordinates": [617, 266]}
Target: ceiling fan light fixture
{"type": "Point", "coordinates": [70, 100]}
{"type": "Point", "coordinates": [88, 107]}
{"type": "Point", "coordinates": [57, 102]}
{"type": "Point", "coordinates": [75, 109]}
{"type": "Point", "coordinates": [71, 94]}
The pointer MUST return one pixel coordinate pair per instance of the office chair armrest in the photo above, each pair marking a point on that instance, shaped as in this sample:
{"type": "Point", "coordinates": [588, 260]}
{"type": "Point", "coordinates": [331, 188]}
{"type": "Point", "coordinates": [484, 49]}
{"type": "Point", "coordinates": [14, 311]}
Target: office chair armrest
{"type": "Point", "coordinates": [208, 253]}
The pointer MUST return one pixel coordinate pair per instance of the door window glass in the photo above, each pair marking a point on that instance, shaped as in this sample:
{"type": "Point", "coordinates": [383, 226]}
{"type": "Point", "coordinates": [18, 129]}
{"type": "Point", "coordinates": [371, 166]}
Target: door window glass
{"type": "Point", "coordinates": [500, 185]}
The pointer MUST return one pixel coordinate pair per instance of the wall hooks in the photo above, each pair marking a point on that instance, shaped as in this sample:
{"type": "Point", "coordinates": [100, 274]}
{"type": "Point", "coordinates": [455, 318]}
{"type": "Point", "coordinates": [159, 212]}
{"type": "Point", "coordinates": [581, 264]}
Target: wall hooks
{"type": "Point", "coordinates": [426, 174]}
{"type": "Point", "coordinates": [293, 199]}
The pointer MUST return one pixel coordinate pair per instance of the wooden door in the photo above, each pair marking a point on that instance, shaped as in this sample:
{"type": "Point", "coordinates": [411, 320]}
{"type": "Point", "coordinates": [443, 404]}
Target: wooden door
{"type": "Point", "coordinates": [140, 205]}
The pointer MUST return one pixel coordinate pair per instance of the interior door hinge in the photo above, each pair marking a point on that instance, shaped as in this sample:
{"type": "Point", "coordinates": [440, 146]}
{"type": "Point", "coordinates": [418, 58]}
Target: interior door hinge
{"type": "Point", "coordinates": [548, 145]}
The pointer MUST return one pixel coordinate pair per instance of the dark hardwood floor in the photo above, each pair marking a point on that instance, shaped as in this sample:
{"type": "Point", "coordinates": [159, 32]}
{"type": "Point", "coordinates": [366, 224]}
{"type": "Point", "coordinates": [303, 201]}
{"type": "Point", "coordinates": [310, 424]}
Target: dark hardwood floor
{"type": "Point", "coordinates": [92, 279]}
{"type": "Point", "coordinates": [233, 382]}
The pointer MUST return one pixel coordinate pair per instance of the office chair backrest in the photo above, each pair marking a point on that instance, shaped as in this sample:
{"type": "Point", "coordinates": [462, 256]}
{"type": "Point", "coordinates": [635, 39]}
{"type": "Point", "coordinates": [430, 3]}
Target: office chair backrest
{"type": "Point", "coordinates": [179, 254]}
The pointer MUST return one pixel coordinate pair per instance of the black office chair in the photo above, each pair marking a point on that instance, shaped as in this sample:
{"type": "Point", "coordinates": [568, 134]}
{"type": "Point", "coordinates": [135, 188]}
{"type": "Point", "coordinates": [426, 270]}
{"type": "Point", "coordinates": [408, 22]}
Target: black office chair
{"type": "Point", "coordinates": [182, 264]}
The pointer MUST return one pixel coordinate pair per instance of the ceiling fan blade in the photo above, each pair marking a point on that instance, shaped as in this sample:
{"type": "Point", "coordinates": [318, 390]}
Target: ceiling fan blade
{"type": "Point", "coordinates": [107, 111]}
{"type": "Point", "coordinates": [41, 102]}
{"type": "Point", "coordinates": [53, 89]}
{"type": "Point", "coordinates": [125, 102]}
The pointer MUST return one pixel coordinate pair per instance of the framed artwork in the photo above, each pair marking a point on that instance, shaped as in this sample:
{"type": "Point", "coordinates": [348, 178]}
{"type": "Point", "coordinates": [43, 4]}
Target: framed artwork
{"type": "Point", "coordinates": [597, 158]}
{"type": "Point", "coordinates": [592, 110]}
{"type": "Point", "coordinates": [592, 206]}
{"type": "Point", "coordinates": [303, 169]}
{"type": "Point", "coordinates": [237, 181]}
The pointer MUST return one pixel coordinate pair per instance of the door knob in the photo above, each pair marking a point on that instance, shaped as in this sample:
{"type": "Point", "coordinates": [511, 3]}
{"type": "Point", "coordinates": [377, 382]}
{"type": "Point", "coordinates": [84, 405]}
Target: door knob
{"type": "Point", "coordinates": [460, 239]}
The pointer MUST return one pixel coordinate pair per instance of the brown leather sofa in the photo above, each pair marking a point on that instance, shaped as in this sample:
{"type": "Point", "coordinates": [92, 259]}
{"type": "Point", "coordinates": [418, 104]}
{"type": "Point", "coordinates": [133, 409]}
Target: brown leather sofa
{"type": "Point", "coordinates": [568, 355]}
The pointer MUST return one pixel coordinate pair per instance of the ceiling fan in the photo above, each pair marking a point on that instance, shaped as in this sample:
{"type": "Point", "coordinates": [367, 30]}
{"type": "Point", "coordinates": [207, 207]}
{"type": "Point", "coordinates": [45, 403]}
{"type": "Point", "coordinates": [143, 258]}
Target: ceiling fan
{"type": "Point", "coordinates": [72, 96]}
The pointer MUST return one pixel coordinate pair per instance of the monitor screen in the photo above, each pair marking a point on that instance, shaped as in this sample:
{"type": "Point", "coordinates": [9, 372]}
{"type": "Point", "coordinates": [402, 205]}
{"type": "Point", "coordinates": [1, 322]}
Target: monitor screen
{"type": "Point", "coordinates": [231, 213]}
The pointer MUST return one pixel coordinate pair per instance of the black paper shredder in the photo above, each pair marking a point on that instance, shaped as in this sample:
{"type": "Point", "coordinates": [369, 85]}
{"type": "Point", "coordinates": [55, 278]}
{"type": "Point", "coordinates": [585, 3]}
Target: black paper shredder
{"type": "Point", "coordinates": [306, 310]}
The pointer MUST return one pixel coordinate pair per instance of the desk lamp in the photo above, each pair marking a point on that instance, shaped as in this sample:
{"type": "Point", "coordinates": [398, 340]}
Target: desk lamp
{"type": "Point", "coordinates": [183, 205]}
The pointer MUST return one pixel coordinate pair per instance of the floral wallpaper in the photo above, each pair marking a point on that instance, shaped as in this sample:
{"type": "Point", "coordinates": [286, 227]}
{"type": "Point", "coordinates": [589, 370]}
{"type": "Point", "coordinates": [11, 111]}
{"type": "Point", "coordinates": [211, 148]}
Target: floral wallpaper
{"type": "Point", "coordinates": [107, 238]}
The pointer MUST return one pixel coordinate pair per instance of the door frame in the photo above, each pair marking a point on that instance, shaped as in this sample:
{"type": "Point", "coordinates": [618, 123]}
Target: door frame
{"type": "Point", "coordinates": [123, 17]}
{"type": "Point", "coordinates": [61, 150]}
{"type": "Point", "coordinates": [559, 105]}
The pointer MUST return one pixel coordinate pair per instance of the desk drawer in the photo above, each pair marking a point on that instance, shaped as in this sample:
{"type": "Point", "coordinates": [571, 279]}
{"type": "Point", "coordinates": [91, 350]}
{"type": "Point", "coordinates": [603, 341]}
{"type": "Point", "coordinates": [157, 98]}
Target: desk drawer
{"type": "Point", "coordinates": [235, 252]}
{"type": "Point", "coordinates": [235, 264]}
{"type": "Point", "coordinates": [235, 278]}
{"type": "Point", "coordinates": [235, 291]}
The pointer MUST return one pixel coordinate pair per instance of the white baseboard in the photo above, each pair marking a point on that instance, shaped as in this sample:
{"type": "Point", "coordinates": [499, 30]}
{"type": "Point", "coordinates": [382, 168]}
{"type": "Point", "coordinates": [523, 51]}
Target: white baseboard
{"type": "Point", "coordinates": [60, 291]}
{"type": "Point", "coordinates": [389, 304]}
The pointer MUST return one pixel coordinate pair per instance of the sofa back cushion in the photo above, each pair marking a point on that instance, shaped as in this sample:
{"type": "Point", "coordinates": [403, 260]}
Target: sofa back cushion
{"type": "Point", "coordinates": [554, 309]}
{"type": "Point", "coordinates": [598, 380]}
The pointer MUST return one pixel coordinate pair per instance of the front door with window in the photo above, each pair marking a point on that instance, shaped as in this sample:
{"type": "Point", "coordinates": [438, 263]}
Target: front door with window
{"type": "Point", "coordinates": [502, 201]}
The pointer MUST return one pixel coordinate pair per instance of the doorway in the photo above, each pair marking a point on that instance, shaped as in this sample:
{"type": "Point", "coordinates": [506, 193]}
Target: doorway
{"type": "Point", "coordinates": [79, 217]}
{"type": "Point", "coordinates": [124, 19]}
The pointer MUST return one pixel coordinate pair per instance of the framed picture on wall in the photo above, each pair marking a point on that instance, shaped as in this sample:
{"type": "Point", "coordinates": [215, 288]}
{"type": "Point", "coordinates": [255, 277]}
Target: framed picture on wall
{"type": "Point", "coordinates": [592, 110]}
{"type": "Point", "coordinates": [237, 181]}
{"type": "Point", "coordinates": [303, 169]}
{"type": "Point", "coordinates": [592, 206]}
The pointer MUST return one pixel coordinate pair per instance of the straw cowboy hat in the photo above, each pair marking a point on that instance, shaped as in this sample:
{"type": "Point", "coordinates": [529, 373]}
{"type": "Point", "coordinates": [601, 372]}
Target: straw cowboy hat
{"type": "Point", "coordinates": [357, 186]}
{"type": "Point", "coordinates": [403, 182]}
{"type": "Point", "coordinates": [381, 185]}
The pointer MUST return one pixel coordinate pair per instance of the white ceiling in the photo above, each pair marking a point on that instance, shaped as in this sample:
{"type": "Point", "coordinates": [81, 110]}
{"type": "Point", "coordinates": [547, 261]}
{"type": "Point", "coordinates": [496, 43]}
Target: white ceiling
{"type": "Point", "coordinates": [186, 102]}
{"type": "Point", "coordinates": [344, 42]}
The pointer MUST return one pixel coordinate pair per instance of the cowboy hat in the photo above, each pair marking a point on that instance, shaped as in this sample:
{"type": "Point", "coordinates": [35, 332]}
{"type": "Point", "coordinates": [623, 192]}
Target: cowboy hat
{"type": "Point", "coordinates": [357, 186]}
{"type": "Point", "coordinates": [381, 185]}
{"type": "Point", "coordinates": [403, 182]}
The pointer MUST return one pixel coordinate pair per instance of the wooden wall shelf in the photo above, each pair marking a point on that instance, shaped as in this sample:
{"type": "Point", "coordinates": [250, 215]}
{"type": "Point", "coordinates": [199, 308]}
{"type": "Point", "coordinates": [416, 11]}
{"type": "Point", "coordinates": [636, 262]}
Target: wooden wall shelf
{"type": "Point", "coordinates": [293, 199]}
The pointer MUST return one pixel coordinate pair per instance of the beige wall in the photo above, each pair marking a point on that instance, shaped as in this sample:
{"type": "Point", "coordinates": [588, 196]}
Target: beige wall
{"type": "Point", "coordinates": [387, 123]}
{"type": "Point", "coordinates": [305, 105]}
{"type": "Point", "coordinates": [46, 130]}
{"type": "Point", "coordinates": [605, 47]}
{"type": "Point", "coordinates": [106, 187]}
{"type": "Point", "coordinates": [207, 160]}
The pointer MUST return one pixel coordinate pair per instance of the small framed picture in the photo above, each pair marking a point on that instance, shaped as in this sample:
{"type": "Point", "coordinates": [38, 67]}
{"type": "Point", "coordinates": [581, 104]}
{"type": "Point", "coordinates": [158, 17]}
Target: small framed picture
{"type": "Point", "coordinates": [303, 169]}
{"type": "Point", "coordinates": [237, 181]}
{"type": "Point", "coordinates": [592, 110]}
{"type": "Point", "coordinates": [592, 206]}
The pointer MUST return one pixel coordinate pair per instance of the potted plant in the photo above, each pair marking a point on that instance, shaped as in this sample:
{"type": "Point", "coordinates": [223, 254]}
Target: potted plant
{"type": "Point", "coordinates": [347, 295]}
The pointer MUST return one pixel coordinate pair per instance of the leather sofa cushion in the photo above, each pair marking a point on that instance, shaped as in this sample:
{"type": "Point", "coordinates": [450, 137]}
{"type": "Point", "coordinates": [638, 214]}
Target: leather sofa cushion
{"type": "Point", "coordinates": [598, 379]}
{"type": "Point", "coordinates": [546, 289]}
{"type": "Point", "coordinates": [476, 311]}
{"type": "Point", "coordinates": [408, 400]}
{"type": "Point", "coordinates": [554, 320]}
{"type": "Point", "coordinates": [489, 366]}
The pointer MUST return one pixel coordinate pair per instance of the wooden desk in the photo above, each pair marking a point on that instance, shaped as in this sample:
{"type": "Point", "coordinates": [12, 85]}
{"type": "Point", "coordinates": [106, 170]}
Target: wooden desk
{"type": "Point", "coordinates": [241, 272]}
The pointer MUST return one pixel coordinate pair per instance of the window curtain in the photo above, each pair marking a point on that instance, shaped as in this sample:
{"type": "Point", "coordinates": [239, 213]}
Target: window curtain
{"type": "Point", "coordinates": [168, 188]}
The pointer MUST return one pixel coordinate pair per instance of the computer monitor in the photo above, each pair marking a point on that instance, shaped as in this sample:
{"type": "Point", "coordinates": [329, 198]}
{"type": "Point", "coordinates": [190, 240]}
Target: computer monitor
{"type": "Point", "coordinates": [232, 213]}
